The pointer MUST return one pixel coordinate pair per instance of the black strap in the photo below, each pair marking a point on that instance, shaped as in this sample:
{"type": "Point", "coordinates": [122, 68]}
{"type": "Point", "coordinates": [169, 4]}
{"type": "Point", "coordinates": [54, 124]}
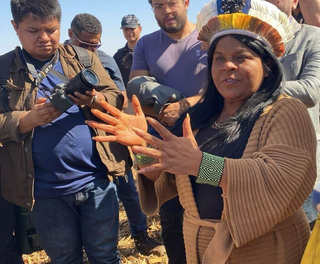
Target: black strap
{"type": "Point", "coordinates": [5, 63]}
{"type": "Point", "coordinates": [48, 67]}
{"type": "Point", "coordinates": [60, 76]}
{"type": "Point", "coordinates": [39, 77]}
{"type": "Point", "coordinates": [83, 56]}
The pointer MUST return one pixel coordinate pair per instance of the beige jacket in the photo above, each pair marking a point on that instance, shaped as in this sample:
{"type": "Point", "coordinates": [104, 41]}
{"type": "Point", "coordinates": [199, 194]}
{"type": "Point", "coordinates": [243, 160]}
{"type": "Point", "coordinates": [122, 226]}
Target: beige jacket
{"type": "Point", "coordinates": [262, 221]}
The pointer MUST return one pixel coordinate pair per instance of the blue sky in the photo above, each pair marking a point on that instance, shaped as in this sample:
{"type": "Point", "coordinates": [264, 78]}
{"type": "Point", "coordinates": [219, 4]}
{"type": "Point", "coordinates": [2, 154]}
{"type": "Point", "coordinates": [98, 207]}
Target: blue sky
{"type": "Point", "coordinates": [109, 12]}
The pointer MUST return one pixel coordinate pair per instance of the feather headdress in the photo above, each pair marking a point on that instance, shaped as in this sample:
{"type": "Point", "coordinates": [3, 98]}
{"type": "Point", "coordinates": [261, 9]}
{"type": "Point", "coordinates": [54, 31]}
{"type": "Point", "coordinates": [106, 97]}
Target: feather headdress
{"type": "Point", "coordinates": [255, 18]}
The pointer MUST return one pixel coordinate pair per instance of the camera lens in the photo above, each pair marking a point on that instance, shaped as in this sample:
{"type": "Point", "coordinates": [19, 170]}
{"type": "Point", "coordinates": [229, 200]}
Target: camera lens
{"type": "Point", "coordinates": [84, 81]}
{"type": "Point", "coordinates": [90, 77]}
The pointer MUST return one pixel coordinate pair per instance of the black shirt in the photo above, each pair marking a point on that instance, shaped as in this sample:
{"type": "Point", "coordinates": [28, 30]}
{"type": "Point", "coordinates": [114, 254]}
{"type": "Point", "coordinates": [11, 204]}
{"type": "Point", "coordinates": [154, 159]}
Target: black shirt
{"type": "Point", "coordinates": [124, 58]}
{"type": "Point", "coordinates": [208, 198]}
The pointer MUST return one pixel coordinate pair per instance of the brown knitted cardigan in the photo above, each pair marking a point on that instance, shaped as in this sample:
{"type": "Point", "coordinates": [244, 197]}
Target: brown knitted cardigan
{"type": "Point", "coordinates": [262, 220]}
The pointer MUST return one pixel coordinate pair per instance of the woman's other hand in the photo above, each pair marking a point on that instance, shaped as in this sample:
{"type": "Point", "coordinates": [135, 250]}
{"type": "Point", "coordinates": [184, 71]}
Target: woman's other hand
{"type": "Point", "coordinates": [120, 124]}
{"type": "Point", "coordinates": [177, 155]}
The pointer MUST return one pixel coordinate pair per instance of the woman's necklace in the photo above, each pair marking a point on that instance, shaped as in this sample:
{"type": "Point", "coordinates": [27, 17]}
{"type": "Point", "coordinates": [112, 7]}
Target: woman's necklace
{"type": "Point", "coordinates": [216, 124]}
{"type": "Point", "coordinates": [221, 119]}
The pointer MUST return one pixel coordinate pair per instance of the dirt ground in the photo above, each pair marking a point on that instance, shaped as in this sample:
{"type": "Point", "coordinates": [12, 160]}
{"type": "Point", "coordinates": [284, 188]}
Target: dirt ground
{"type": "Point", "coordinates": [126, 245]}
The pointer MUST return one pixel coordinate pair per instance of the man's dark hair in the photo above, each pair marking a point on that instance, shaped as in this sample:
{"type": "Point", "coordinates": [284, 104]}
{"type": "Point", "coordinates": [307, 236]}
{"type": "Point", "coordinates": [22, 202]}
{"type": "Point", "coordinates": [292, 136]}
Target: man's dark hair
{"type": "Point", "coordinates": [86, 22]}
{"type": "Point", "coordinates": [43, 9]}
{"type": "Point", "coordinates": [150, 2]}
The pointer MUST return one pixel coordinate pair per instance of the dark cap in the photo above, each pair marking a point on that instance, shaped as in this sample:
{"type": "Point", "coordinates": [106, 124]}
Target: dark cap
{"type": "Point", "coordinates": [129, 21]}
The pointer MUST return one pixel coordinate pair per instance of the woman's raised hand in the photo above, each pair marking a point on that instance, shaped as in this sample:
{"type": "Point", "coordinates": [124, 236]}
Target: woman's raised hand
{"type": "Point", "coordinates": [120, 124]}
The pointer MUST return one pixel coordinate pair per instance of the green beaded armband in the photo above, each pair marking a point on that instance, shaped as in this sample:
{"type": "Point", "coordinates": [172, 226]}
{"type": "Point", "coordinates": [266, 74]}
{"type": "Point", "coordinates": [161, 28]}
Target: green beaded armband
{"type": "Point", "coordinates": [211, 169]}
{"type": "Point", "coordinates": [143, 159]}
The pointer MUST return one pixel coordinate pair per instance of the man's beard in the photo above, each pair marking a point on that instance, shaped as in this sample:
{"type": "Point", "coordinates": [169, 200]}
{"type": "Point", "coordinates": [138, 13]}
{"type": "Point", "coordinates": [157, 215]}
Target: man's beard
{"type": "Point", "coordinates": [180, 23]}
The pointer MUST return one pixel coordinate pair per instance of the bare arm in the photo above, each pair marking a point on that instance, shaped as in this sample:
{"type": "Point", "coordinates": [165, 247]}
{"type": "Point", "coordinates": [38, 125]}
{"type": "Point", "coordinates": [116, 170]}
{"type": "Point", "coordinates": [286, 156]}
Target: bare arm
{"type": "Point", "coordinates": [310, 10]}
{"type": "Point", "coordinates": [138, 73]}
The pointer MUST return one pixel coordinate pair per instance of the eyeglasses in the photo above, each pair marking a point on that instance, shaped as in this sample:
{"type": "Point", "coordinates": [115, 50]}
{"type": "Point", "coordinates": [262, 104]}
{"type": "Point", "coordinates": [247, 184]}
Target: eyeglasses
{"type": "Point", "coordinates": [86, 45]}
{"type": "Point", "coordinates": [159, 8]}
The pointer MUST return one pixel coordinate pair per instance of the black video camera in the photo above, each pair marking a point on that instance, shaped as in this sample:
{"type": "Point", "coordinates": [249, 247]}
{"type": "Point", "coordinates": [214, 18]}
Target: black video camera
{"type": "Point", "coordinates": [84, 81]}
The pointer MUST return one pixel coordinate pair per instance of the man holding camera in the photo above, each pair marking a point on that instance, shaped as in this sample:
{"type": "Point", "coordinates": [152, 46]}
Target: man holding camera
{"type": "Point", "coordinates": [49, 162]}
{"type": "Point", "coordinates": [86, 31]}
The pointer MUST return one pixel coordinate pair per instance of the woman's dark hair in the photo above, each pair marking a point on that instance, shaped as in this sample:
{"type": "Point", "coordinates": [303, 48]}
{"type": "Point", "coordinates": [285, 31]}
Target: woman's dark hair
{"type": "Point", "coordinates": [209, 108]}
{"type": "Point", "coordinates": [43, 9]}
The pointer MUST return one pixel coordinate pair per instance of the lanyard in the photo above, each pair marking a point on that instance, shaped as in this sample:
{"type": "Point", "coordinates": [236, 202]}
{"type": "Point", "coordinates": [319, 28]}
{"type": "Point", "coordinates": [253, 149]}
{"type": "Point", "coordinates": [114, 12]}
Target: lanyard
{"type": "Point", "coordinates": [39, 77]}
{"type": "Point", "coordinates": [48, 67]}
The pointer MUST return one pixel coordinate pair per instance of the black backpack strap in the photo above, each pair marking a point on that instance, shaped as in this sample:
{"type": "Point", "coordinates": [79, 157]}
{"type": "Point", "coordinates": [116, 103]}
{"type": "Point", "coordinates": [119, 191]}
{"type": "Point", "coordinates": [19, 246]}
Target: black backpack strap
{"type": "Point", "coordinates": [5, 64]}
{"type": "Point", "coordinates": [83, 56]}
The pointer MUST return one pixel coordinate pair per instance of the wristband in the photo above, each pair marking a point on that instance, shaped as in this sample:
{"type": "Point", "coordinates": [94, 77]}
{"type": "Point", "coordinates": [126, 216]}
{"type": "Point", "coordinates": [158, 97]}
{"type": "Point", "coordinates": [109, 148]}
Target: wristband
{"type": "Point", "coordinates": [211, 169]}
{"type": "Point", "coordinates": [184, 105]}
{"type": "Point", "coordinates": [143, 159]}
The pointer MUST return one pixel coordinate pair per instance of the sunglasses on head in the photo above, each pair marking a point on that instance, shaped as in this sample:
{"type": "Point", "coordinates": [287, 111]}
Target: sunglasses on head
{"type": "Point", "coordinates": [86, 45]}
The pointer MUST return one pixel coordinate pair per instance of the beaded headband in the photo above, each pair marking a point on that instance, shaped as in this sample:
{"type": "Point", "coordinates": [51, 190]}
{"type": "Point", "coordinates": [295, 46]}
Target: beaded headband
{"type": "Point", "coordinates": [254, 18]}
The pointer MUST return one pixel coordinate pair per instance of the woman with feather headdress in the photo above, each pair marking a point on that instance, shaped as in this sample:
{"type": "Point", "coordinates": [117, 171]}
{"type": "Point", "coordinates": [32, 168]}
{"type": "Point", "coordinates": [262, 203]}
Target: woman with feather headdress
{"type": "Point", "coordinates": [242, 160]}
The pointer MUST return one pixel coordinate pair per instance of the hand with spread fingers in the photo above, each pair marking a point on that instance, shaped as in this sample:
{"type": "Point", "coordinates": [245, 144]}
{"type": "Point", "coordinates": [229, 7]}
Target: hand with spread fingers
{"type": "Point", "coordinates": [120, 124]}
{"type": "Point", "coordinates": [176, 155]}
